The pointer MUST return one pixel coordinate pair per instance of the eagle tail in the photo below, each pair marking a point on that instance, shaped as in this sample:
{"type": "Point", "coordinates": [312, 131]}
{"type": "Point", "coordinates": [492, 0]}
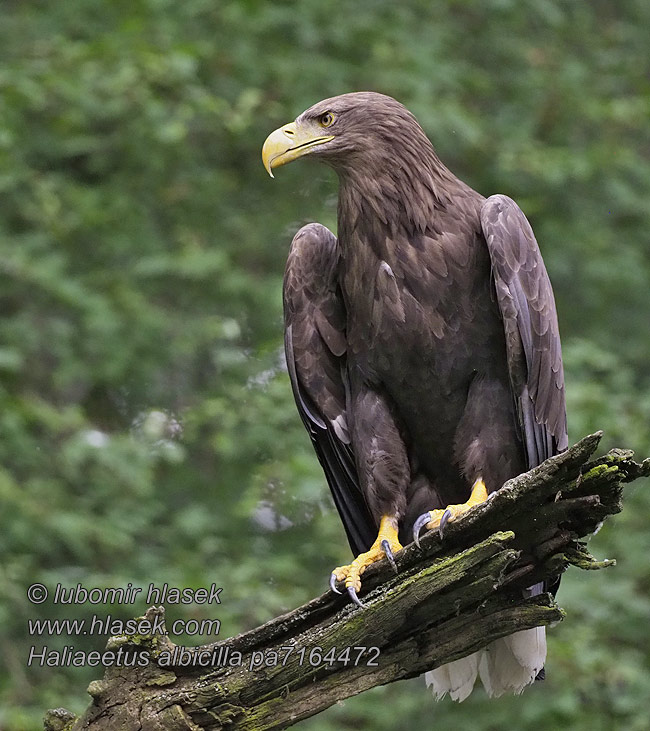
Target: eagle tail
{"type": "Point", "coordinates": [456, 678]}
{"type": "Point", "coordinates": [506, 665]}
{"type": "Point", "coordinates": [511, 663]}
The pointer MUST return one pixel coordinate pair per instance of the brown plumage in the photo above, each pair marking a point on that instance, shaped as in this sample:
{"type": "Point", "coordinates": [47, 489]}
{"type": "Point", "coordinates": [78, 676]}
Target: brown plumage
{"type": "Point", "coordinates": [422, 344]}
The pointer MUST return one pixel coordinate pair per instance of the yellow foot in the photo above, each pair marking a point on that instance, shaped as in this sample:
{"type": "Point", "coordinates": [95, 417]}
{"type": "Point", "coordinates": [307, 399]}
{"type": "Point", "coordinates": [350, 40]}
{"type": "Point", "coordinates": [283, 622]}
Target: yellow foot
{"type": "Point", "coordinates": [386, 544]}
{"type": "Point", "coordinates": [439, 518]}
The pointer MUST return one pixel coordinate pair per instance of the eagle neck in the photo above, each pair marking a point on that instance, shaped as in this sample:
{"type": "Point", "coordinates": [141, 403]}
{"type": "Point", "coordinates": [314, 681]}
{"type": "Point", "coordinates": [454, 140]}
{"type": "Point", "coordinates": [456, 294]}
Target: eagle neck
{"type": "Point", "coordinates": [401, 195]}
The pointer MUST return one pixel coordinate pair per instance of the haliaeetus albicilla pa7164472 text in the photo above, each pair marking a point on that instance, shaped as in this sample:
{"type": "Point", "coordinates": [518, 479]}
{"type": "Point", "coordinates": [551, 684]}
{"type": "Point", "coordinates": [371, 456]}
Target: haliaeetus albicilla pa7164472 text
{"type": "Point", "coordinates": [422, 345]}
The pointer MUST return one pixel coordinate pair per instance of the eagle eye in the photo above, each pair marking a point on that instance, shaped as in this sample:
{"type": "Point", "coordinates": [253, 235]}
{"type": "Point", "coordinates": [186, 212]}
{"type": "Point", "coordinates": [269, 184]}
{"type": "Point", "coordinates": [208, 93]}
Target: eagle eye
{"type": "Point", "coordinates": [325, 120]}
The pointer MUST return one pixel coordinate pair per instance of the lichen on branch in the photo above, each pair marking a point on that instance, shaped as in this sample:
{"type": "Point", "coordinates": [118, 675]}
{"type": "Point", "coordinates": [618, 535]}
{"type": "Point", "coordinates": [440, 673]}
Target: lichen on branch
{"type": "Point", "coordinates": [448, 599]}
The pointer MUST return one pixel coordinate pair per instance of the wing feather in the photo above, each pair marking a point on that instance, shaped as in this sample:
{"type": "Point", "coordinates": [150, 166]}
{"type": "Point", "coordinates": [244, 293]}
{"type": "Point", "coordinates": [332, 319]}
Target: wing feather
{"type": "Point", "coordinates": [315, 346]}
{"type": "Point", "coordinates": [527, 305]}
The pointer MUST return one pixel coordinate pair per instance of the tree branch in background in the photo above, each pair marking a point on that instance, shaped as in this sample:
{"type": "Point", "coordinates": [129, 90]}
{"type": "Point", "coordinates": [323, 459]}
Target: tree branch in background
{"type": "Point", "coordinates": [448, 600]}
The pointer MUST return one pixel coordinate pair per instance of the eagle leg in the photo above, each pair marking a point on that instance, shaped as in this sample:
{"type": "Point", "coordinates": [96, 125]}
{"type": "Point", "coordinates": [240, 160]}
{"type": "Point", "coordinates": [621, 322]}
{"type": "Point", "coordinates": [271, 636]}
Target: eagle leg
{"type": "Point", "coordinates": [439, 518]}
{"type": "Point", "coordinates": [385, 545]}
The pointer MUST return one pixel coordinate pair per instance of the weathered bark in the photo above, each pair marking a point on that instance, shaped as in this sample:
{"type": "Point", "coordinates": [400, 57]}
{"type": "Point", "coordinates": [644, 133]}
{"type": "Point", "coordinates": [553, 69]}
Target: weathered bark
{"type": "Point", "coordinates": [449, 599]}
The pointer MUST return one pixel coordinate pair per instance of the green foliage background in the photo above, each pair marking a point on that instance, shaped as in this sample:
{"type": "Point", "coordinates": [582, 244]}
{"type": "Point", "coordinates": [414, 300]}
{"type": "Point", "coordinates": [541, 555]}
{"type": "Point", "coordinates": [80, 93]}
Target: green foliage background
{"type": "Point", "coordinates": [147, 430]}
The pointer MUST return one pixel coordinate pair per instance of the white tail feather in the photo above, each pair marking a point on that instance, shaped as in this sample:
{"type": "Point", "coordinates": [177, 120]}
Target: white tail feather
{"type": "Point", "coordinates": [456, 678]}
{"type": "Point", "coordinates": [506, 665]}
{"type": "Point", "coordinates": [511, 663]}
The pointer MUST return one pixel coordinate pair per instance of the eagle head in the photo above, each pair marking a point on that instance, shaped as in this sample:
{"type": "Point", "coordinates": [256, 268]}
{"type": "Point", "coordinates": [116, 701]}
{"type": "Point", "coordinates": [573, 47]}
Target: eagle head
{"type": "Point", "coordinates": [361, 129]}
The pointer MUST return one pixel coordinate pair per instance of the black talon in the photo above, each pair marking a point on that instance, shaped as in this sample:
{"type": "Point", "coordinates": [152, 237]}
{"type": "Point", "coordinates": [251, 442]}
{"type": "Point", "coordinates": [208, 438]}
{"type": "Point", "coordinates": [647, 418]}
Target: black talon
{"type": "Point", "coordinates": [418, 525]}
{"type": "Point", "coordinates": [389, 554]}
{"type": "Point", "coordinates": [353, 595]}
{"type": "Point", "coordinates": [443, 522]}
{"type": "Point", "coordinates": [333, 584]}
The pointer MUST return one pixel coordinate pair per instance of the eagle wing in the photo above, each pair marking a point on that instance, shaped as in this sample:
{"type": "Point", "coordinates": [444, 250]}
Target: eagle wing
{"type": "Point", "coordinates": [315, 346]}
{"type": "Point", "coordinates": [527, 305]}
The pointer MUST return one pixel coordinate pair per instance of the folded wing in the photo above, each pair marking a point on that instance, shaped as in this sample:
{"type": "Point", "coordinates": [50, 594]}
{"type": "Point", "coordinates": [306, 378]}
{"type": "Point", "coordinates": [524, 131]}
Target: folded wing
{"type": "Point", "coordinates": [527, 305]}
{"type": "Point", "coordinates": [315, 347]}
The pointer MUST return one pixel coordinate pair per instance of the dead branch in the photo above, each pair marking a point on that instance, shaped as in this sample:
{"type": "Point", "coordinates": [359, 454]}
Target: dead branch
{"type": "Point", "coordinates": [448, 599]}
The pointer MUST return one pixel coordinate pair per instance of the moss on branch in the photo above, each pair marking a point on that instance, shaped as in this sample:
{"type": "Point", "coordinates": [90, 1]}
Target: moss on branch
{"type": "Point", "coordinates": [448, 599]}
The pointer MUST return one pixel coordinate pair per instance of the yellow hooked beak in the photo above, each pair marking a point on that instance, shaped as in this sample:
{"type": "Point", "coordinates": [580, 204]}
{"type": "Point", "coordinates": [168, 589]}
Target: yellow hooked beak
{"type": "Point", "coordinates": [289, 143]}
